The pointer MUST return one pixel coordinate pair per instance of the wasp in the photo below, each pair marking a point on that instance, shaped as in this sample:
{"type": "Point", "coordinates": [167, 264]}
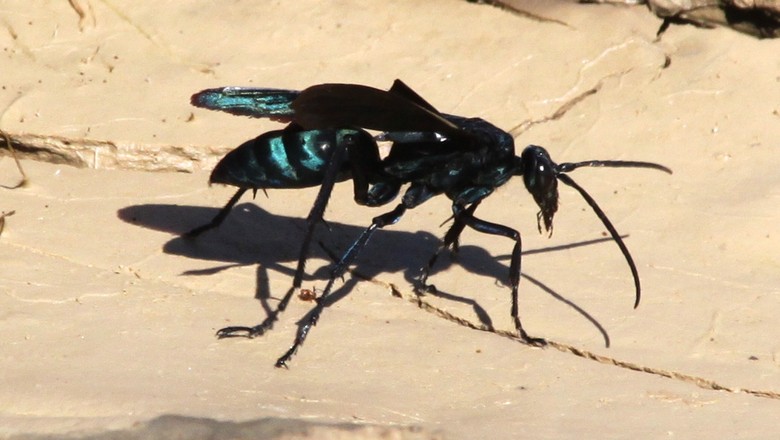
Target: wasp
{"type": "Point", "coordinates": [327, 140]}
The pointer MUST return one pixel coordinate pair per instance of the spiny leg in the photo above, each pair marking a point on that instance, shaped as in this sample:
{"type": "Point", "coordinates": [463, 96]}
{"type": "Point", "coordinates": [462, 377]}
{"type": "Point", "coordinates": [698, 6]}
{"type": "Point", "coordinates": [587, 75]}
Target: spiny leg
{"type": "Point", "coordinates": [220, 217]}
{"type": "Point", "coordinates": [318, 209]}
{"type": "Point", "coordinates": [338, 271]}
{"type": "Point", "coordinates": [450, 239]}
{"type": "Point", "coordinates": [479, 225]}
{"type": "Point", "coordinates": [315, 216]}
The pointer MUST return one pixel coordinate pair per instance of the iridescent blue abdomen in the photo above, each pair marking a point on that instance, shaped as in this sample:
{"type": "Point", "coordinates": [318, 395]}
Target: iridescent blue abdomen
{"type": "Point", "coordinates": [285, 158]}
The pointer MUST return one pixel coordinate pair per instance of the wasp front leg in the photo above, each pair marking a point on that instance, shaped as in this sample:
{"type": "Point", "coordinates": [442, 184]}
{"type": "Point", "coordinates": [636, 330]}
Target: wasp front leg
{"type": "Point", "coordinates": [451, 240]}
{"type": "Point", "coordinates": [466, 216]}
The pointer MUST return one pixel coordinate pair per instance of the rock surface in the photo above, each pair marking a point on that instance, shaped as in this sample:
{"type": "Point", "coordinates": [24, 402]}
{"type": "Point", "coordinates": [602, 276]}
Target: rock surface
{"type": "Point", "coordinates": [108, 316]}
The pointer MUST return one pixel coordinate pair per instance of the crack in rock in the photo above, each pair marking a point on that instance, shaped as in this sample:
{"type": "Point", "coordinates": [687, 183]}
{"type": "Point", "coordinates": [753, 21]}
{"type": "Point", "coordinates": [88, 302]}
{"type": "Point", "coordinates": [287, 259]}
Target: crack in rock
{"type": "Point", "coordinates": [700, 382]}
{"type": "Point", "coordinates": [97, 154]}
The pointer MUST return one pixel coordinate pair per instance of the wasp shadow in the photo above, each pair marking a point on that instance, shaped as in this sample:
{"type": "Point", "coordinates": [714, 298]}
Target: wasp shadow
{"type": "Point", "coordinates": [252, 236]}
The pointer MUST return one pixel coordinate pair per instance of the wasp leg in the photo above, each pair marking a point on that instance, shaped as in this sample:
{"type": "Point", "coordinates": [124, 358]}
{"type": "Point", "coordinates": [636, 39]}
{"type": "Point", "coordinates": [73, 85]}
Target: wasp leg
{"type": "Point", "coordinates": [220, 217]}
{"type": "Point", "coordinates": [486, 227]}
{"type": "Point", "coordinates": [315, 216]}
{"type": "Point", "coordinates": [414, 196]}
{"type": "Point", "coordinates": [450, 240]}
{"type": "Point", "coordinates": [338, 271]}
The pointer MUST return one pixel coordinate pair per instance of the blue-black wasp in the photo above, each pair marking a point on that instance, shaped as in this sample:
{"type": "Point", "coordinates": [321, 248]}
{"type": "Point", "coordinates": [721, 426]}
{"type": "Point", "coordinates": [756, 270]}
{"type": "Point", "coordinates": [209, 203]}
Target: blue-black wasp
{"type": "Point", "coordinates": [326, 141]}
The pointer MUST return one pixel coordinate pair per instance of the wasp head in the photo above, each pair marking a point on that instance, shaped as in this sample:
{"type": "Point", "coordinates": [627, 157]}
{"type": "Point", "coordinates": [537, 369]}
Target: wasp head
{"type": "Point", "coordinates": [540, 177]}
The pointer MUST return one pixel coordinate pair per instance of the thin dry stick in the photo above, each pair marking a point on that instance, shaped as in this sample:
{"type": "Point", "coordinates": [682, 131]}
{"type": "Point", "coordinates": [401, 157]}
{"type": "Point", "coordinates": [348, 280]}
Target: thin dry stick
{"type": "Point", "coordinates": [566, 348]}
{"type": "Point", "coordinates": [2, 219]}
{"type": "Point", "coordinates": [16, 159]}
{"type": "Point", "coordinates": [3, 215]}
{"type": "Point", "coordinates": [700, 382]}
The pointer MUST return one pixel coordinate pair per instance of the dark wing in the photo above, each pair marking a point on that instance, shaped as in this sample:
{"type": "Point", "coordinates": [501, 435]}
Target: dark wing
{"type": "Point", "coordinates": [401, 89]}
{"type": "Point", "coordinates": [352, 105]}
{"type": "Point", "coordinates": [403, 115]}
{"type": "Point", "coordinates": [256, 103]}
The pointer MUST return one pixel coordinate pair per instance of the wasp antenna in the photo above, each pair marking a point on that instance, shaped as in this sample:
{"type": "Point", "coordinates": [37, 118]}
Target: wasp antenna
{"type": "Point", "coordinates": [565, 167]}
{"type": "Point", "coordinates": [612, 231]}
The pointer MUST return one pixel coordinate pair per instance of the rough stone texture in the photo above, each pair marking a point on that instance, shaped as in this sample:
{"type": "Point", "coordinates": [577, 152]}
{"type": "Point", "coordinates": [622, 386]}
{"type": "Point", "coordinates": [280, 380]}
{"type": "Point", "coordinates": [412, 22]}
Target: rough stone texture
{"type": "Point", "coordinates": [191, 428]}
{"type": "Point", "coordinates": [108, 316]}
{"type": "Point", "coordinates": [760, 18]}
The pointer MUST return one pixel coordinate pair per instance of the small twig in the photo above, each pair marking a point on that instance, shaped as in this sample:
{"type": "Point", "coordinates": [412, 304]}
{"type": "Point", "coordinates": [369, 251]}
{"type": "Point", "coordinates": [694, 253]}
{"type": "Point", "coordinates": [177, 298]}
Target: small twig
{"type": "Point", "coordinates": [700, 382]}
{"type": "Point", "coordinates": [2, 219]}
{"type": "Point", "coordinates": [16, 159]}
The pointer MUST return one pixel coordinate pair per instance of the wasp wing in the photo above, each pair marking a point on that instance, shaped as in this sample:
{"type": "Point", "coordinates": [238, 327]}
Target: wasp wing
{"type": "Point", "coordinates": [252, 102]}
{"type": "Point", "coordinates": [330, 105]}
{"type": "Point", "coordinates": [352, 105]}
{"type": "Point", "coordinates": [400, 113]}
{"type": "Point", "coordinates": [412, 137]}
{"type": "Point", "coordinates": [401, 89]}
